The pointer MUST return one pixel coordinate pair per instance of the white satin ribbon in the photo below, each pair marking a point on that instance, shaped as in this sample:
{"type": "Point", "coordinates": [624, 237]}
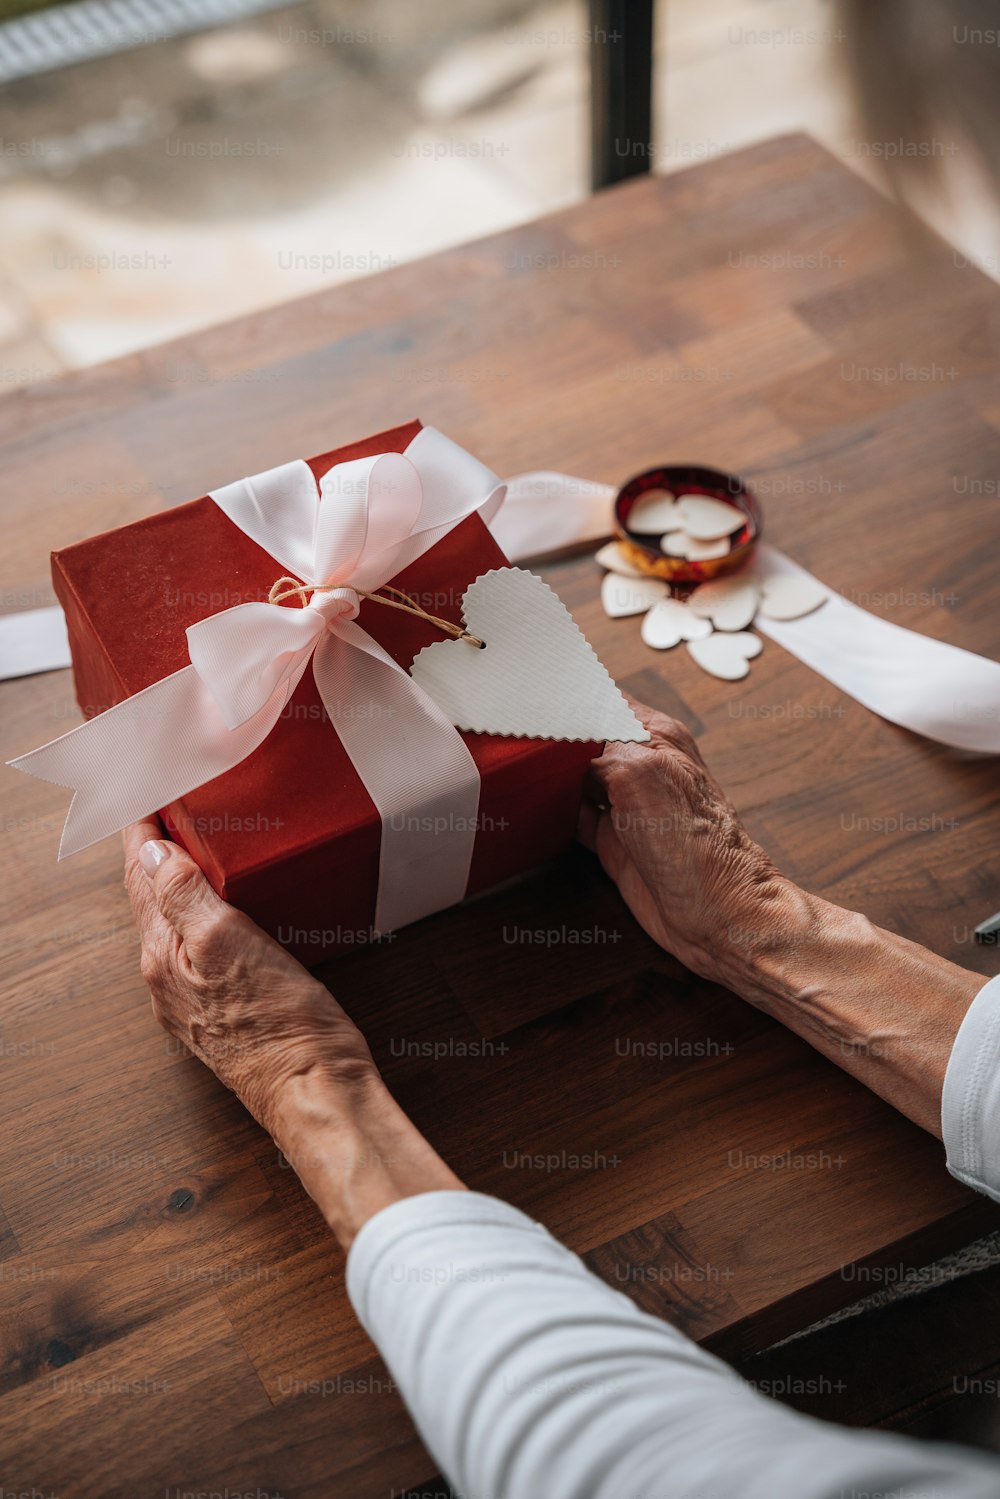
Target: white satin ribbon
{"type": "Point", "coordinates": [922, 684]}
{"type": "Point", "coordinates": [33, 642]}
{"type": "Point", "coordinates": [373, 517]}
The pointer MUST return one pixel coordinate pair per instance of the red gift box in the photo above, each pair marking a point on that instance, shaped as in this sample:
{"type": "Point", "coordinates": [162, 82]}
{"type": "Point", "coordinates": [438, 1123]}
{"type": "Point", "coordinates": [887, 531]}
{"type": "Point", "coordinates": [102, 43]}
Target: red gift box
{"type": "Point", "coordinates": [290, 835]}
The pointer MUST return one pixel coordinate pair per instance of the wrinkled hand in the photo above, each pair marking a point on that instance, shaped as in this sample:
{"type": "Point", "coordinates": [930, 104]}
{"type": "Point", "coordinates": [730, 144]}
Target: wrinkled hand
{"type": "Point", "coordinates": [225, 989]}
{"type": "Point", "coordinates": [671, 840]}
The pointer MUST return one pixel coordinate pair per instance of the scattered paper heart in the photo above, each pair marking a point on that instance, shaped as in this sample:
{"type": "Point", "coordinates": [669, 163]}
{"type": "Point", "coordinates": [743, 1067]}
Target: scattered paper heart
{"type": "Point", "coordinates": [727, 605]}
{"type": "Point", "coordinates": [727, 656]}
{"type": "Point", "coordinates": [790, 596]}
{"type": "Point", "coordinates": [624, 596]}
{"type": "Point", "coordinates": [612, 556]}
{"type": "Point", "coordinates": [670, 622]}
{"type": "Point", "coordinates": [537, 678]}
{"type": "Point", "coordinates": [730, 603]}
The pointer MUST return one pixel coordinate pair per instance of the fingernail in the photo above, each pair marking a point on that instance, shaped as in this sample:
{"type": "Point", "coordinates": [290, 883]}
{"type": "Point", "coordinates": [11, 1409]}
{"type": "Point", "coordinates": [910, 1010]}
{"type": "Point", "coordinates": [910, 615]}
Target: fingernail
{"type": "Point", "coordinates": [152, 855]}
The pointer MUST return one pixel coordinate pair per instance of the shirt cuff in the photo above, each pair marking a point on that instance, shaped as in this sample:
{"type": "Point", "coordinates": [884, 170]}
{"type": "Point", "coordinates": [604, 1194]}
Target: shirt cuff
{"type": "Point", "coordinates": [970, 1103]}
{"type": "Point", "coordinates": [428, 1211]}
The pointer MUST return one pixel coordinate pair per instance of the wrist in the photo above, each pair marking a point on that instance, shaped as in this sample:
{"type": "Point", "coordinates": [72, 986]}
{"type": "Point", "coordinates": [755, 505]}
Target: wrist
{"type": "Point", "coordinates": [880, 1006]}
{"type": "Point", "coordinates": [774, 940]}
{"type": "Point", "coordinates": [354, 1149]}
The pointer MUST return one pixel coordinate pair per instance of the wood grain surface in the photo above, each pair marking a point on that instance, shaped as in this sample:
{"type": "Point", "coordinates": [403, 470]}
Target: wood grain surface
{"type": "Point", "coordinates": [173, 1310]}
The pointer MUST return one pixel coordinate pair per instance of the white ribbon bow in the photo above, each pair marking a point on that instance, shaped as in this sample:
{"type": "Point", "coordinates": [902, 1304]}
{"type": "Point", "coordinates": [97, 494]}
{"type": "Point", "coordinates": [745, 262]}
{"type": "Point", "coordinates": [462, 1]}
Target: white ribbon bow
{"type": "Point", "coordinates": [374, 517]}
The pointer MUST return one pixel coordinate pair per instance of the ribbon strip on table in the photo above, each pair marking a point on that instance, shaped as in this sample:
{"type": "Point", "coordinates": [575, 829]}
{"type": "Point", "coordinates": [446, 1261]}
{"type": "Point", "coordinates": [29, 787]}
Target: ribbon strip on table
{"type": "Point", "coordinates": [33, 642]}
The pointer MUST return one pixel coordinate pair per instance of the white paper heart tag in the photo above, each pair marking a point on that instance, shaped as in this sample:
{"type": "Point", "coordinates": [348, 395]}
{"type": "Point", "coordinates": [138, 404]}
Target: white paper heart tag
{"type": "Point", "coordinates": [537, 678]}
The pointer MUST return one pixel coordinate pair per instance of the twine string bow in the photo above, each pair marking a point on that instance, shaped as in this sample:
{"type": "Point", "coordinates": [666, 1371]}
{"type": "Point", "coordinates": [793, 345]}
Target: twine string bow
{"type": "Point", "coordinates": [286, 587]}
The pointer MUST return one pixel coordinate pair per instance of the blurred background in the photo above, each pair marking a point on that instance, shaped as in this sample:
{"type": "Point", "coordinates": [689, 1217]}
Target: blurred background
{"type": "Point", "coordinates": [166, 164]}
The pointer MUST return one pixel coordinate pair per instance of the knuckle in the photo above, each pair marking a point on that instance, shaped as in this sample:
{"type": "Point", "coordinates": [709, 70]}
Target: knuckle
{"type": "Point", "coordinates": [151, 968]}
{"type": "Point", "coordinates": [179, 880]}
{"type": "Point", "coordinates": [684, 737]}
{"type": "Point", "coordinates": [619, 768]}
{"type": "Point", "coordinates": [221, 920]}
{"type": "Point", "coordinates": [131, 878]}
{"type": "Point", "coordinates": [215, 930]}
{"type": "Point", "coordinates": [688, 769]}
{"type": "Point", "coordinates": [680, 736]}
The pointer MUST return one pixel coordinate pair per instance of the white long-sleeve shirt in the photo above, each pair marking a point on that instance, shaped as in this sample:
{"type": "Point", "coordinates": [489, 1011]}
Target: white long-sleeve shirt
{"type": "Point", "coordinates": [530, 1378]}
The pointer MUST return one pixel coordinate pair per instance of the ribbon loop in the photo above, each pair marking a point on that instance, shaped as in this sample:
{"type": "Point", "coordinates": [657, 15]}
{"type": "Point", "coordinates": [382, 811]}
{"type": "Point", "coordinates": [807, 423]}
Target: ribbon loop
{"type": "Point", "coordinates": [366, 508]}
{"type": "Point", "coordinates": [243, 654]}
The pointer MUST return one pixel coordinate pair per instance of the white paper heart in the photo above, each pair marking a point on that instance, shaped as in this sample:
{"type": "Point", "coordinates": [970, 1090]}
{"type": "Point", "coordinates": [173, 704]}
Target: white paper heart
{"type": "Point", "coordinates": [538, 677]}
{"type": "Point", "coordinates": [697, 629]}
{"type": "Point", "coordinates": [655, 512]}
{"type": "Point", "coordinates": [624, 596]}
{"type": "Point", "coordinates": [612, 556]}
{"type": "Point", "coordinates": [708, 520]}
{"type": "Point", "coordinates": [676, 544]}
{"type": "Point", "coordinates": [730, 603]}
{"type": "Point", "coordinates": [726, 656]}
{"type": "Point", "coordinates": [787, 596]}
{"type": "Point", "coordinates": [670, 622]}
{"type": "Point", "coordinates": [683, 544]}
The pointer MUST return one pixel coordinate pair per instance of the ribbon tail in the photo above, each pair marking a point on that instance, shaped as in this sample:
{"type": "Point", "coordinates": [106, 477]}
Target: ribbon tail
{"type": "Point", "coordinates": [938, 690]}
{"type": "Point", "coordinates": [414, 765]}
{"type": "Point", "coordinates": [33, 642]}
{"type": "Point", "coordinates": [546, 512]}
{"type": "Point", "coordinates": [146, 752]}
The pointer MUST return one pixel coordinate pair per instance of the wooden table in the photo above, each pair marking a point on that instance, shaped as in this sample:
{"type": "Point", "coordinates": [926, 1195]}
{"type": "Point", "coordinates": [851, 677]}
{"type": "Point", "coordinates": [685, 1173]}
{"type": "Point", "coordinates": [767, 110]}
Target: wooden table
{"type": "Point", "coordinates": [174, 1311]}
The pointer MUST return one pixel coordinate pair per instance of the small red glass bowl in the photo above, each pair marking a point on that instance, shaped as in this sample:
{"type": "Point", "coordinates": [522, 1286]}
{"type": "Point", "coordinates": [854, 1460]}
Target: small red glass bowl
{"type": "Point", "coordinates": [680, 479]}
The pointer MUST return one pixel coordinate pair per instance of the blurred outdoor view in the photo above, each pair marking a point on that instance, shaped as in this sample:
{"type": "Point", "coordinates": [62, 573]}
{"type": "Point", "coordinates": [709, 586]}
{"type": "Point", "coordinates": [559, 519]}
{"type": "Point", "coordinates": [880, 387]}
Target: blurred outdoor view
{"type": "Point", "coordinates": [197, 171]}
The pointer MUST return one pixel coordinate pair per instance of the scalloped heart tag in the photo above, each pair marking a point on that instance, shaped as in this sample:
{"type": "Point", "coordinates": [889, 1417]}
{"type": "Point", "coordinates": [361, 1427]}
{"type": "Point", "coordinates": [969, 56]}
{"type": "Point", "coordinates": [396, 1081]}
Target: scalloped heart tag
{"type": "Point", "coordinates": [538, 676]}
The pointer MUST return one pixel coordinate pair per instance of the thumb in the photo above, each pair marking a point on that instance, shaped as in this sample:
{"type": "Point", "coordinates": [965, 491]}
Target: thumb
{"type": "Point", "coordinates": [182, 894]}
{"type": "Point", "coordinates": [596, 831]}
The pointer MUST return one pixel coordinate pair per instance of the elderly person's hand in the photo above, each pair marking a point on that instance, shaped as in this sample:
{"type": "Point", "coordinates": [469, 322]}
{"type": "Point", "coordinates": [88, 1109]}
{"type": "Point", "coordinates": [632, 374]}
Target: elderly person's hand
{"type": "Point", "coordinates": [275, 1036]}
{"type": "Point", "coordinates": [671, 840]}
{"type": "Point", "coordinates": [227, 990]}
{"type": "Point", "coordinates": [881, 1007]}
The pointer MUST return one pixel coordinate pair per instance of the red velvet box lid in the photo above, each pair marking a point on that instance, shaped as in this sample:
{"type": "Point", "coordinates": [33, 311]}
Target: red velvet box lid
{"type": "Point", "coordinates": [291, 834]}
